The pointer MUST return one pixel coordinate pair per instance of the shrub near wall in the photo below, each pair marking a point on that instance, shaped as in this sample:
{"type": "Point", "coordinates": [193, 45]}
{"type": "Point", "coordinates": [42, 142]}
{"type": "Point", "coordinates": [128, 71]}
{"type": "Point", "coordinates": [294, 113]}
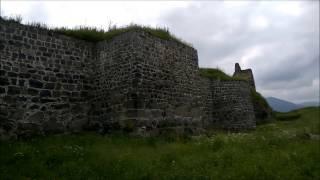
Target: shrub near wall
{"type": "Point", "coordinates": [261, 107]}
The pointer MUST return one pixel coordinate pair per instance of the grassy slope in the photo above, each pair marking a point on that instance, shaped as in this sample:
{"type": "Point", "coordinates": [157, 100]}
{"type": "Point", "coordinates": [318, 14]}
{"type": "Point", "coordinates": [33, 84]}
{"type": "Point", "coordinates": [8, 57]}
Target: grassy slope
{"type": "Point", "coordinates": [93, 34]}
{"type": "Point", "coordinates": [280, 150]}
{"type": "Point", "coordinates": [216, 74]}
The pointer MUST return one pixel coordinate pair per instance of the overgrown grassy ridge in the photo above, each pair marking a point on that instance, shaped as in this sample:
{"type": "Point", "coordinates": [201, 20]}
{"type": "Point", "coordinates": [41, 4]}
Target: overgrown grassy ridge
{"type": "Point", "coordinates": [257, 97]}
{"type": "Point", "coordinates": [280, 150]}
{"type": "Point", "coordinates": [216, 74]}
{"type": "Point", "coordinates": [93, 34]}
{"type": "Point", "coordinates": [259, 101]}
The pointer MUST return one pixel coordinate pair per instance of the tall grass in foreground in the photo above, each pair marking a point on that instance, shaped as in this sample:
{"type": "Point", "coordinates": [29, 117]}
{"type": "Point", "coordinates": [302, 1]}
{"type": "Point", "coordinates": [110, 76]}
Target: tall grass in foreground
{"type": "Point", "coordinates": [274, 151]}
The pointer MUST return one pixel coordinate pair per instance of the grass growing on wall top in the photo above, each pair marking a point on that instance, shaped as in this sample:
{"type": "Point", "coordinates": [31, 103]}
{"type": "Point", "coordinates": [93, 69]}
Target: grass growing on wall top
{"type": "Point", "coordinates": [15, 19]}
{"type": "Point", "coordinates": [216, 74]}
{"type": "Point", "coordinates": [94, 34]}
{"type": "Point", "coordinates": [279, 150]}
{"type": "Point", "coordinates": [259, 99]}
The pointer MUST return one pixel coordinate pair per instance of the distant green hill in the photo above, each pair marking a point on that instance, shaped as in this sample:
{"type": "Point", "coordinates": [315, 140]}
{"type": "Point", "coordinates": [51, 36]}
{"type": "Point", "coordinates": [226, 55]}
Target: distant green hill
{"type": "Point", "coordinates": [287, 148]}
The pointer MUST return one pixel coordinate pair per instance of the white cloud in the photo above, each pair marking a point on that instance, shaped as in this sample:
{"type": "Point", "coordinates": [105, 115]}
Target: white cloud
{"type": "Point", "coordinates": [278, 40]}
{"type": "Point", "coordinates": [250, 55]}
{"type": "Point", "coordinates": [259, 23]}
{"type": "Point", "coordinates": [236, 4]}
{"type": "Point", "coordinates": [91, 13]}
{"type": "Point", "coordinates": [292, 8]}
{"type": "Point", "coordinates": [300, 93]}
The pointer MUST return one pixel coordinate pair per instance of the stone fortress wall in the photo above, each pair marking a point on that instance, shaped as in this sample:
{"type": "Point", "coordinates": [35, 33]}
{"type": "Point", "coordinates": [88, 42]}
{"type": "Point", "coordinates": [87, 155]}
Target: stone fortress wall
{"type": "Point", "coordinates": [45, 81]}
{"type": "Point", "coordinates": [146, 82]}
{"type": "Point", "coordinates": [232, 107]}
{"type": "Point", "coordinates": [227, 104]}
{"type": "Point", "coordinates": [51, 83]}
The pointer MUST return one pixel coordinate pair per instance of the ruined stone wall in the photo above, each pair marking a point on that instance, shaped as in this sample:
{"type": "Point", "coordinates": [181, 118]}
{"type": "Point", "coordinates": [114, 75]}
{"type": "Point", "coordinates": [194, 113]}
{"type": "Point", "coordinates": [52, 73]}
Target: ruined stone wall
{"type": "Point", "coordinates": [166, 84]}
{"type": "Point", "coordinates": [244, 74]}
{"type": "Point", "coordinates": [205, 90]}
{"type": "Point", "coordinates": [113, 78]}
{"type": "Point", "coordinates": [228, 105]}
{"type": "Point", "coordinates": [134, 82]}
{"type": "Point", "coordinates": [146, 82]}
{"type": "Point", "coordinates": [45, 81]}
{"type": "Point", "coordinates": [260, 106]}
{"type": "Point", "coordinates": [232, 105]}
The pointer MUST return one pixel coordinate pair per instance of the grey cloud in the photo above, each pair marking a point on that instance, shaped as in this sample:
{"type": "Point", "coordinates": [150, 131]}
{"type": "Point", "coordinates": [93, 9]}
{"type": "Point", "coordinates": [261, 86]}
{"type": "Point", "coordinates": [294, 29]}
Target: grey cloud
{"type": "Point", "coordinates": [37, 13]}
{"type": "Point", "coordinates": [289, 45]}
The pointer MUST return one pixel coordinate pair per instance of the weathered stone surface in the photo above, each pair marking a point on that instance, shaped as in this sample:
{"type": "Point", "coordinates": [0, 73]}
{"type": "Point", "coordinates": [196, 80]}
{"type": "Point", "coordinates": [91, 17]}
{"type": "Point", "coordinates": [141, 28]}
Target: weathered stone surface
{"type": "Point", "coordinates": [36, 118]}
{"type": "Point", "coordinates": [148, 87]}
{"type": "Point", "coordinates": [232, 106]}
{"type": "Point", "coordinates": [245, 74]}
{"type": "Point", "coordinates": [33, 92]}
{"type": "Point", "coordinates": [60, 106]}
{"type": "Point", "coordinates": [2, 90]}
{"type": "Point", "coordinates": [49, 86]}
{"type": "Point", "coordinates": [35, 83]}
{"type": "Point", "coordinates": [12, 90]}
{"type": "Point", "coordinates": [47, 100]}
{"type": "Point", "coordinates": [261, 108]}
{"type": "Point", "coordinates": [78, 123]}
{"type": "Point", "coordinates": [45, 93]}
{"type": "Point", "coordinates": [4, 81]}
{"type": "Point", "coordinates": [52, 126]}
{"type": "Point", "coordinates": [26, 129]}
{"type": "Point", "coordinates": [30, 84]}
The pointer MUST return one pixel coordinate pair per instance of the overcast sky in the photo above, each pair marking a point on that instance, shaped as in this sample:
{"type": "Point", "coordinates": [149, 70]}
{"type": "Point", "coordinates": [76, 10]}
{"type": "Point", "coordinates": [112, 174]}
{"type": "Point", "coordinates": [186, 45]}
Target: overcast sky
{"type": "Point", "coordinates": [279, 41]}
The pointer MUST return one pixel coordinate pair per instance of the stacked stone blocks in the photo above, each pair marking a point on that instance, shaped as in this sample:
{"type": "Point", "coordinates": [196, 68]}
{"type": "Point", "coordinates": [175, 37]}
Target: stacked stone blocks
{"type": "Point", "coordinates": [51, 83]}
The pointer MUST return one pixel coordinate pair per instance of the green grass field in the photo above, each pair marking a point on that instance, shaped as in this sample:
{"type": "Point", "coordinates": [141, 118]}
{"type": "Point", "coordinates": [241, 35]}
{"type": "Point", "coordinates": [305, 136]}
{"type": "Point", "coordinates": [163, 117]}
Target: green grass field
{"type": "Point", "coordinates": [279, 150]}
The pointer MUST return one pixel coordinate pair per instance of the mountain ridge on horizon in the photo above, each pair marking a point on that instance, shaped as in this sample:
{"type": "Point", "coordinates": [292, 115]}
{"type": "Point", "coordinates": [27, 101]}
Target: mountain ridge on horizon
{"type": "Point", "coordinates": [281, 105]}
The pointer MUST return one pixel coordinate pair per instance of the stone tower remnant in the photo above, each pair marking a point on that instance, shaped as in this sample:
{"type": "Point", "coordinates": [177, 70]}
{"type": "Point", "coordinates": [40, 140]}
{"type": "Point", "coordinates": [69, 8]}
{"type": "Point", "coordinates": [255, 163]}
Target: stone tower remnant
{"type": "Point", "coordinates": [245, 74]}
